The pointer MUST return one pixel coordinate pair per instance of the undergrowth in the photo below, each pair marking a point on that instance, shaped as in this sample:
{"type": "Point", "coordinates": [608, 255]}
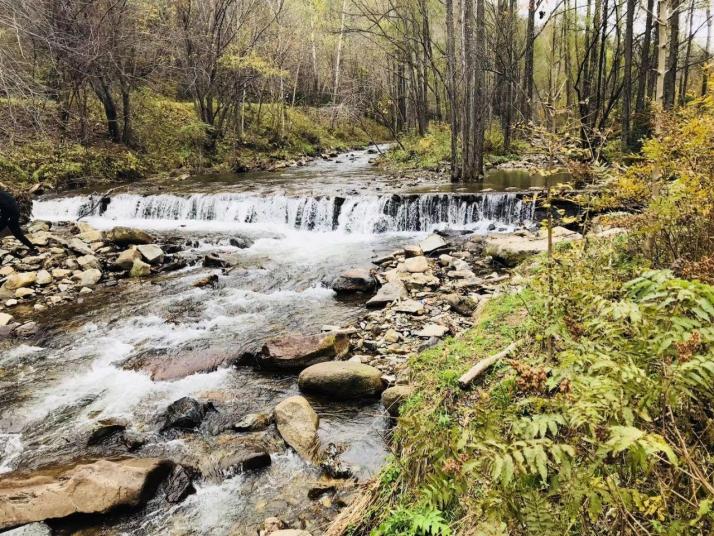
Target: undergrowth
{"type": "Point", "coordinates": [612, 433]}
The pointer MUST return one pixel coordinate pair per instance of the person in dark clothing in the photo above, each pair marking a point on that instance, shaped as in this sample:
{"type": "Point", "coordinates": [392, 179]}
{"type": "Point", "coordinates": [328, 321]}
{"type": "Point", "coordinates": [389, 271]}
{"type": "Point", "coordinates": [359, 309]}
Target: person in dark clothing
{"type": "Point", "coordinates": [10, 218]}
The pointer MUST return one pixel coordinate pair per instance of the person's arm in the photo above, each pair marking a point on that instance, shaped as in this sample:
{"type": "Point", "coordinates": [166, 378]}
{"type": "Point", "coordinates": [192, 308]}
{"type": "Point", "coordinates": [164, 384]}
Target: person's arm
{"type": "Point", "coordinates": [14, 226]}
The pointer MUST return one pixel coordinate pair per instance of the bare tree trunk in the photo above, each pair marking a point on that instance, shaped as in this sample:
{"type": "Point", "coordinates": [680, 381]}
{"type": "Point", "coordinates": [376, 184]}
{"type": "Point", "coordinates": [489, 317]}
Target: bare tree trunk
{"type": "Point", "coordinates": [645, 60]}
{"type": "Point", "coordinates": [684, 80]}
{"type": "Point", "coordinates": [338, 57]}
{"type": "Point", "coordinates": [662, 49]}
{"type": "Point", "coordinates": [451, 85]}
{"type": "Point", "coordinates": [627, 89]}
{"type": "Point", "coordinates": [707, 51]}
{"type": "Point", "coordinates": [527, 105]}
{"type": "Point", "coordinates": [480, 107]}
{"type": "Point", "coordinates": [670, 78]}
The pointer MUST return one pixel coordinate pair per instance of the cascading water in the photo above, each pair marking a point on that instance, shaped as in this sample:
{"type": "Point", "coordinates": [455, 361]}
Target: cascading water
{"type": "Point", "coordinates": [359, 214]}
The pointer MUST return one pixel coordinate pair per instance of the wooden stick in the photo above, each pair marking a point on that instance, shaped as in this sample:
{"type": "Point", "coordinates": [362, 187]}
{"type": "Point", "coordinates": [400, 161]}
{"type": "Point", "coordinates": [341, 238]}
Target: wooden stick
{"type": "Point", "coordinates": [483, 365]}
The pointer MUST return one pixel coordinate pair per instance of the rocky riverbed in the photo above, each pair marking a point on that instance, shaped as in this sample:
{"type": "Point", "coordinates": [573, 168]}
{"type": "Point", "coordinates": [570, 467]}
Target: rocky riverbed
{"type": "Point", "coordinates": [71, 262]}
{"type": "Point", "coordinates": [413, 297]}
{"type": "Point", "coordinates": [228, 360]}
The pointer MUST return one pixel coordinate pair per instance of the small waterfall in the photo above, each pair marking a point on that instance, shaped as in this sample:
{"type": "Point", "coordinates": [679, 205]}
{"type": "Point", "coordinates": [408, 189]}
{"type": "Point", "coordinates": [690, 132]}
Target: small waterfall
{"type": "Point", "coordinates": [358, 214]}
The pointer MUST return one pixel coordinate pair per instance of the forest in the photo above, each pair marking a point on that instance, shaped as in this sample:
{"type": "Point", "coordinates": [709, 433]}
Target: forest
{"type": "Point", "coordinates": [357, 267]}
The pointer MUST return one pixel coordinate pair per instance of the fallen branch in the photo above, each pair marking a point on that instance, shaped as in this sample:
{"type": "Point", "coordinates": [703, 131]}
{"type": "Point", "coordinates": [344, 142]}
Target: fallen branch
{"type": "Point", "coordinates": [101, 200]}
{"type": "Point", "coordinates": [483, 365]}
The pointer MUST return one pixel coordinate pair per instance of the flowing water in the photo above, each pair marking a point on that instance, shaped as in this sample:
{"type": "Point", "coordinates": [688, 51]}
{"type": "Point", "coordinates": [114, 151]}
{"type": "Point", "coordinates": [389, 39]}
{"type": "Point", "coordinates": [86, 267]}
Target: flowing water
{"type": "Point", "coordinates": [307, 225]}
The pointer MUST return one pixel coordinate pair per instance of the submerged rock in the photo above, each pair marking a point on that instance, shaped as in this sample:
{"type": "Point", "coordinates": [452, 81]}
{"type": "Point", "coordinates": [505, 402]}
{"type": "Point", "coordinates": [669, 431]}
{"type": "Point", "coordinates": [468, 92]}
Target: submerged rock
{"type": "Point", "coordinates": [300, 351]}
{"type": "Point", "coordinates": [297, 423]}
{"type": "Point", "coordinates": [185, 413]}
{"type": "Point", "coordinates": [342, 380]}
{"type": "Point", "coordinates": [84, 488]}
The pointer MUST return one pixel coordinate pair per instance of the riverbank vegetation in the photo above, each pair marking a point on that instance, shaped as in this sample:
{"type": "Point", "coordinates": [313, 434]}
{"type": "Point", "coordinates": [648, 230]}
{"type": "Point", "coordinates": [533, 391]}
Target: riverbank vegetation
{"type": "Point", "coordinates": [600, 421]}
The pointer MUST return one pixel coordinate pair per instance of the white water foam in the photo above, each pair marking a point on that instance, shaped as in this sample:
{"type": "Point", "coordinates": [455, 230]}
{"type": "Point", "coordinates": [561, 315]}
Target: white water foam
{"type": "Point", "coordinates": [358, 214]}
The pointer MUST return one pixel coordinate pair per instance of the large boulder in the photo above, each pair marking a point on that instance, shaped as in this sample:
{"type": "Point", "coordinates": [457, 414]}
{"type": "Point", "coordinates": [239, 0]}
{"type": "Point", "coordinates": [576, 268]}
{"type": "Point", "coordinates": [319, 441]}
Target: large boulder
{"type": "Point", "coordinates": [357, 280]}
{"type": "Point", "coordinates": [342, 380]}
{"type": "Point", "coordinates": [300, 351]}
{"type": "Point", "coordinates": [388, 293]}
{"type": "Point", "coordinates": [511, 249]}
{"type": "Point", "coordinates": [85, 488]}
{"type": "Point", "coordinates": [125, 236]}
{"type": "Point", "coordinates": [297, 423]}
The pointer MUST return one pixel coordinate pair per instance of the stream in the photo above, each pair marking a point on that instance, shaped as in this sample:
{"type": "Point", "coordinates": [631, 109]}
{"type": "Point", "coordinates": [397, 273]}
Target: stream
{"type": "Point", "coordinates": [306, 226]}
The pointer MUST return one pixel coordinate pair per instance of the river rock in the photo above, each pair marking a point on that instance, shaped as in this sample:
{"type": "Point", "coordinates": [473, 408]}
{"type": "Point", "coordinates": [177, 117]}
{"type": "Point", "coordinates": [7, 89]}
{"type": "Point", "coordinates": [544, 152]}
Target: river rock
{"type": "Point", "coordinates": [388, 293]}
{"type": "Point", "coordinates": [140, 269]}
{"type": "Point", "coordinates": [152, 253]}
{"type": "Point", "coordinates": [356, 280]}
{"type": "Point", "coordinates": [40, 238]}
{"type": "Point", "coordinates": [79, 247]}
{"type": "Point", "coordinates": [342, 380]}
{"type": "Point", "coordinates": [19, 280]}
{"type": "Point", "coordinates": [432, 330]}
{"type": "Point", "coordinates": [393, 398]}
{"type": "Point", "coordinates": [416, 265]}
{"type": "Point", "coordinates": [463, 305]}
{"type": "Point", "coordinates": [412, 251]}
{"type": "Point", "coordinates": [90, 235]}
{"type": "Point", "coordinates": [240, 242]}
{"type": "Point", "coordinates": [105, 430]}
{"type": "Point", "coordinates": [297, 423]}
{"type": "Point", "coordinates": [432, 243]}
{"type": "Point", "coordinates": [24, 293]}
{"type": "Point", "coordinates": [411, 307]}
{"type": "Point", "coordinates": [511, 249]}
{"type": "Point", "coordinates": [90, 277]}
{"type": "Point", "coordinates": [182, 363]}
{"type": "Point", "coordinates": [185, 413]}
{"type": "Point", "coordinates": [88, 261]}
{"type": "Point", "coordinates": [271, 524]}
{"type": "Point", "coordinates": [179, 485]}
{"type": "Point", "coordinates": [33, 529]}
{"type": "Point", "coordinates": [5, 319]}
{"type": "Point", "coordinates": [126, 259]}
{"type": "Point", "coordinates": [299, 351]}
{"type": "Point", "coordinates": [253, 422]}
{"type": "Point", "coordinates": [125, 236]}
{"type": "Point", "coordinates": [43, 278]}
{"type": "Point", "coordinates": [84, 488]}
{"type": "Point", "coordinates": [290, 532]}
